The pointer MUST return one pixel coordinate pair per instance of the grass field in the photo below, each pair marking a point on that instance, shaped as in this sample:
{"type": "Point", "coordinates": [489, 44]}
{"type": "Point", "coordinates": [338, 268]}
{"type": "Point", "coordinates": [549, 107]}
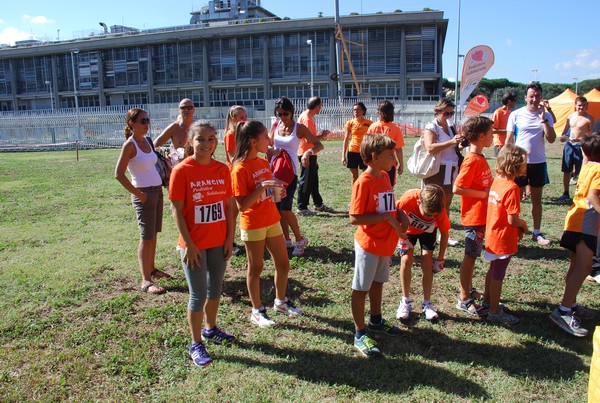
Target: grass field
{"type": "Point", "coordinates": [74, 325]}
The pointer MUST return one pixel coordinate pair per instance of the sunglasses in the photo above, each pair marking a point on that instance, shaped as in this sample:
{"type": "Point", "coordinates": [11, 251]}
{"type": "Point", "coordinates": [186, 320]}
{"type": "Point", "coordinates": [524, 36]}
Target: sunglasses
{"type": "Point", "coordinates": [144, 121]}
{"type": "Point", "coordinates": [188, 107]}
{"type": "Point", "coordinates": [446, 114]}
{"type": "Point", "coordinates": [280, 114]}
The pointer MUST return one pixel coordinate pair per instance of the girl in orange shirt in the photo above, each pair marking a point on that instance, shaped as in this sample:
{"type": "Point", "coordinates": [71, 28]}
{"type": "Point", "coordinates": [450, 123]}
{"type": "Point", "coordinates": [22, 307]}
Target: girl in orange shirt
{"type": "Point", "coordinates": [254, 191]}
{"type": "Point", "coordinates": [235, 115]}
{"type": "Point", "coordinates": [503, 228]}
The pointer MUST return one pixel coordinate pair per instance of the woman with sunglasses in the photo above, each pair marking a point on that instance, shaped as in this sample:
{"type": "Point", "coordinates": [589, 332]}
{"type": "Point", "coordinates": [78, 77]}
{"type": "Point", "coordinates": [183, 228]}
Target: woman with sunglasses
{"type": "Point", "coordinates": [139, 159]}
{"type": "Point", "coordinates": [440, 137]}
{"type": "Point", "coordinates": [287, 134]}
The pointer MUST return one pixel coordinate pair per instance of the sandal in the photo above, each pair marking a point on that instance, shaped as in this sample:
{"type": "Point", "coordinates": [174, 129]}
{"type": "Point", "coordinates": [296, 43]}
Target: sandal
{"type": "Point", "coordinates": [160, 274]}
{"type": "Point", "coordinates": [475, 295]}
{"type": "Point", "coordinates": [151, 288]}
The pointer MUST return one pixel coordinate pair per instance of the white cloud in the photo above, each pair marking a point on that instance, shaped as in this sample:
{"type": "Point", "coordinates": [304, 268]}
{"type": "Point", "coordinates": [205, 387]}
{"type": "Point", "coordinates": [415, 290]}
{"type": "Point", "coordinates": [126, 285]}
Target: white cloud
{"type": "Point", "coordinates": [10, 35]}
{"type": "Point", "coordinates": [508, 42]}
{"type": "Point", "coordinates": [581, 59]}
{"type": "Point", "coordinates": [2, 22]}
{"type": "Point", "coordinates": [39, 19]}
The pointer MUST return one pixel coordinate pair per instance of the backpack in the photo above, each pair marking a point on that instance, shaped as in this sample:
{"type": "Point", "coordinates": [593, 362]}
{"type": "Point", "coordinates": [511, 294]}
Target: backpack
{"type": "Point", "coordinates": [282, 167]}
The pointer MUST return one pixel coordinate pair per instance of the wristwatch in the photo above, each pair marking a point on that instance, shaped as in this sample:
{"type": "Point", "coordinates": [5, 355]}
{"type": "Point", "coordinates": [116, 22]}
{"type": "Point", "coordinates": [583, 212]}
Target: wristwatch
{"type": "Point", "coordinates": [545, 121]}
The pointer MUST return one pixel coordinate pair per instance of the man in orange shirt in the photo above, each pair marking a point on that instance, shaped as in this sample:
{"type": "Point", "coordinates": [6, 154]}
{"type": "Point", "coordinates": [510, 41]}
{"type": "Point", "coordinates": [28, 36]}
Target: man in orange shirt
{"type": "Point", "coordinates": [500, 118]}
{"type": "Point", "coordinates": [308, 181]}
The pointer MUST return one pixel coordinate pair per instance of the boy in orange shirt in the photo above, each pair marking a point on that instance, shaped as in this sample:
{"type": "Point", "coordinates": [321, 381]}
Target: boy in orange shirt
{"type": "Point", "coordinates": [426, 213]}
{"type": "Point", "coordinates": [373, 210]}
{"type": "Point", "coordinates": [580, 238]}
{"type": "Point", "coordinates": [473, 185]}
{"type": "Point", "coordinates": [504, 228]}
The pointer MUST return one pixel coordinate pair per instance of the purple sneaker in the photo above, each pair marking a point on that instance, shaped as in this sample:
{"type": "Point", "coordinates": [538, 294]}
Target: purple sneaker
{"type": "Point", "coordinates": [217, 336]}
{"type": "Point", "coordinates": [199, 355]}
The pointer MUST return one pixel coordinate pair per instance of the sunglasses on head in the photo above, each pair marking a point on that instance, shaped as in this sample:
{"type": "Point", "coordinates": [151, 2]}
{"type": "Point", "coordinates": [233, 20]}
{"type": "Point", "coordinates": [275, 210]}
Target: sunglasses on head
{"type": "Point", "coordinates": [280, 114]}
{"type": "Point", "coordinates": [188, 107]}
{"type": "Point", "coordinates": [144, 120]}
{"type": "Point", "coordinates": [448, 113]}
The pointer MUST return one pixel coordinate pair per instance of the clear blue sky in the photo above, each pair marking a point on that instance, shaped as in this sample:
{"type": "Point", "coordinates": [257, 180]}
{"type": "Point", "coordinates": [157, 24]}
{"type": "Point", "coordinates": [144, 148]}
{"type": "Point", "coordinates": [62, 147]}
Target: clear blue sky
{"type": "Point", "coordinates": [555, 38]}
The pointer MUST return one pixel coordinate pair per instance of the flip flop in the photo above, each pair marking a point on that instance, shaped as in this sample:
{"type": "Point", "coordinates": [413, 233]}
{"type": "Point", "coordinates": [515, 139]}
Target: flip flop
{"type": "Point", "coordinates": [160, 274]}
{"type": "Point", "coordinates": [151, 288]}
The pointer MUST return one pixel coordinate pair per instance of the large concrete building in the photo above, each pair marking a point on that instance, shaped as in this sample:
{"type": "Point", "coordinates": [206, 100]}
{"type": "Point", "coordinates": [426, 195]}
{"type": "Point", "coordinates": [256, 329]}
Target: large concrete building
{"type": "Point", "coordinates": [232, 52]}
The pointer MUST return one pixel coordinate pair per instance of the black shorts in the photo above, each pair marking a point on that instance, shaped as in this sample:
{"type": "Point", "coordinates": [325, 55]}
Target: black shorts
{"type": "Point", "coordinates": [537, 176]}
{"type": "Point", "coordinates": [354, 161]}
{"type": "Point", "coordinates": [288, 201]}
{"type": "Point", "coordinates": [426, 239]}
{"type": "Point", "coordinates": [570, 239]}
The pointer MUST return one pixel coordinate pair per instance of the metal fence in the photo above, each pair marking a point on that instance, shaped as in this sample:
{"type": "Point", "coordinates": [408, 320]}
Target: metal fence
{"type": "Point", "coordinates": [102, 127]}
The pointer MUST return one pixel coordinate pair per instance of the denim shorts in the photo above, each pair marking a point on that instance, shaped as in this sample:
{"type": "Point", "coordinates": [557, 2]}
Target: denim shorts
{"type": "Point", "coordinates": [474, 240]}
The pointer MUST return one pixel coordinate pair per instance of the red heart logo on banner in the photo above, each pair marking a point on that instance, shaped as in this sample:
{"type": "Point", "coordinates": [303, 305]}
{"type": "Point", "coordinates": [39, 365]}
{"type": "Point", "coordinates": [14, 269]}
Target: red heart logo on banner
{"type": "Point", "coordinates": [477, 55]}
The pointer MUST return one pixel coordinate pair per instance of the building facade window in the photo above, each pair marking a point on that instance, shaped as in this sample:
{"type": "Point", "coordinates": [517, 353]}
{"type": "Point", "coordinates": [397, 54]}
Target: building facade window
{"type": "Point", "coordinates": [125, 67]}
{"type": "Point", "coordinates": [253, 96]}
{"type": "Point", "coordinates": [421, 49]}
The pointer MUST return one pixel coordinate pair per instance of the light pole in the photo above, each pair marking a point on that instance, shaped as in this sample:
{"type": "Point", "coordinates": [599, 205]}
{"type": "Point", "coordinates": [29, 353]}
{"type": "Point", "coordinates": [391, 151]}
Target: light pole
{"type": "Point", "coordinates": [49, 84]}
{"type": "Point", "coordinates": [576, 79]}
{"type": "Point", "coordinates": [536, 76]}
{"type": "Point", "coordinates": [73, 53]}
{"type": "Point", "coordinates": [312, 83]}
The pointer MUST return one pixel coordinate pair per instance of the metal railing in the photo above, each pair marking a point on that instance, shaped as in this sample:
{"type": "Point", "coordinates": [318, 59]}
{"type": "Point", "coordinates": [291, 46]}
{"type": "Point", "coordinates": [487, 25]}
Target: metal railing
{"type": "Point", "coordinates": [102, 127]}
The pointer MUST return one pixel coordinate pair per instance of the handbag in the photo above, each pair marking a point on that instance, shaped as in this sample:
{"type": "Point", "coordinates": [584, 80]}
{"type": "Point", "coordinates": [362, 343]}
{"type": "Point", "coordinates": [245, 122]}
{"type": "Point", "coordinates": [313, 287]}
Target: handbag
{"type": "Point", "coordinates": [421, 163]}
{"type": "Point", "coordinates": [163, 165]}
{"type": "Point", "coordinates": [282, 167]}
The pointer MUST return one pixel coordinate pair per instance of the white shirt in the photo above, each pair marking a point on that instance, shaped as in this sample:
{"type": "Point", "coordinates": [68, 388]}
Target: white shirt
{"type": "Point", "coordinates": [529, 133]}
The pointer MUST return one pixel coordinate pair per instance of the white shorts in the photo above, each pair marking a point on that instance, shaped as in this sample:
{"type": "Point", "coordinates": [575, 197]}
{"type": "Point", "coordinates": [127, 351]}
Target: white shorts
{"type": "Point", "coordinates": [368, 268]}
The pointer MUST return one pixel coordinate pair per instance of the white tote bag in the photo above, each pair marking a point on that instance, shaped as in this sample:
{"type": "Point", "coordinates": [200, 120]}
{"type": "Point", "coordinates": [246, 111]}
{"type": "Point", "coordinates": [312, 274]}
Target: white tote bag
{"type": "Point", "coordinates": [421, 163]}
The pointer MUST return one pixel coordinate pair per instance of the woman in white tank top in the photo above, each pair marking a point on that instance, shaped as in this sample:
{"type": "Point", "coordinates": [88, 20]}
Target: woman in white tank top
{"type": "Point", "coordinates": [286, 134]}
{"type": "Point", "coordinates": [138, 158]}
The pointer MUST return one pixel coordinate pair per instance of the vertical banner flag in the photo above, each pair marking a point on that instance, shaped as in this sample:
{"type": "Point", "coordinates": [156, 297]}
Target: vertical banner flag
{"type": "Point", "coordinates": [478, 61]}
{"type": "Point", "coordinates": [478, 104]}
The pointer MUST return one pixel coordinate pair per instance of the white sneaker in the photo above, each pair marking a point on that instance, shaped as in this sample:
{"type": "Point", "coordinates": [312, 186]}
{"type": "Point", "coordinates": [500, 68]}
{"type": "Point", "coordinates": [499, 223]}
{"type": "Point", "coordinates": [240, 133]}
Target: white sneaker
{"type": "Point", "coordinates": [299, 247]}
{"type": "Point", "coordinates": [287, 308]}
{"type": "Point", "coordinates": [429, 311]}
{"type": "Point", "coordinates": [403, 312]}
{"type": "Point", "coordinates": [452, 242]}
{"type": "Point", "coordinates": [289, 244]}
{"type": "Point", "coordinates": [260, 317]}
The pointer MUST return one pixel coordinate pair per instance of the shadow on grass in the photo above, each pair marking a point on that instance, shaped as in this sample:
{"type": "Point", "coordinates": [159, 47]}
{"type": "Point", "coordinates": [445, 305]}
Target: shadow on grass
{"type": "Point", "coordinates": [533, 252]}
{"type": "Point", "coordinates": [389, 375]}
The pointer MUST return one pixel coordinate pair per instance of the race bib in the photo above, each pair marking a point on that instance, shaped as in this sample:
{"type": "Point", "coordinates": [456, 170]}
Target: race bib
{"type": "Point", "coordinates": [386, 202]}
{"type": "Point", "coordinates": [209, 213]}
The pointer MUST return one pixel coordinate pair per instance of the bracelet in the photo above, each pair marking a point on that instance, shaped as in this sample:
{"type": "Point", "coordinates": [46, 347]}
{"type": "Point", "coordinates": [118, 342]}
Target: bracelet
{"type": "Point", "coordinates": [545, 121]}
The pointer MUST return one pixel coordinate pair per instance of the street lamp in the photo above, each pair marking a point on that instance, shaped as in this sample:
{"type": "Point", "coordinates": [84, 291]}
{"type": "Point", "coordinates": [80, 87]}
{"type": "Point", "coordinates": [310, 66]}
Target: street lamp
{"type": "Point", "coordinates": [312, 84]}
{"type": "Point", "coordinates": [576, 79]}
{"type": "Point", "coordinates": [535, 73]}
{"type": "Point", "coordinates": [49, 84]}
{"type": "Point", "coordinates": [73, 53]}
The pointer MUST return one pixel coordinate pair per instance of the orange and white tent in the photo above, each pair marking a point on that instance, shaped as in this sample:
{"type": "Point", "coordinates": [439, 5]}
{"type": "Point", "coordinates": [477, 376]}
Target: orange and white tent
{"type": "Point", "coordinates": [562, 106]}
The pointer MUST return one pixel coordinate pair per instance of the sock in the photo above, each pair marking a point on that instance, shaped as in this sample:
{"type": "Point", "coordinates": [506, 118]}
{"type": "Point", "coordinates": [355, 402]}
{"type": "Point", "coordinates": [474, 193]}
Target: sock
{"type": "Point", "coordinates": [536, 231]}
{"type": "Point", "coordinates": [426, 301]}
{"type": "Point", "coordinates": [375, 319]}
{"type": "Point", "coordinates": [209, 331]}
{"type": "Point", "coordinates": [257, 310]}
{"type": "Point", "coordinates": [280, 302]}
{"type": "Point", "coordinates": [564, 309]}
{"type": "Point", "coordinates": [406, 300]}
{"type": "Point", "coordinates": [360, 333]}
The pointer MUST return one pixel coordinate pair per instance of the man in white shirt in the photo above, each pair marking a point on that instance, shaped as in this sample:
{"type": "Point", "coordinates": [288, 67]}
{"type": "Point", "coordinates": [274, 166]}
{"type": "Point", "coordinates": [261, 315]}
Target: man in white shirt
{"type": "Point", "coordinates": [533, 125]}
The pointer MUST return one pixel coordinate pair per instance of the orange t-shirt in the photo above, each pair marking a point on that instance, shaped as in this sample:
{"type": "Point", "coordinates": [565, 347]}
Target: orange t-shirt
{"type": "Point", "coordinates": [358, 131]}
{"type": "Point", "coordinates": [474, 174]}
{"type": "Point", "coordinates": [308, 121]}
{"type": "Point", "coordinates": [419, 224]}
{"type": "Point", "coordinates": [374, 195]}
{"type": "Point", "coordinates": [582, 217]}
{"type": "Point", "coordinates": [204, 190]}
{"type": "Point", "coordinates": [390, 129]}
{"type": "Point", "coordinates": [245, 176]}
{"type": "Point", "coordinates": [500, 119]}
{"type": "Point", "coordinates": [501, 238]}
{"type": "Point", "coordinates": [229, 141]}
